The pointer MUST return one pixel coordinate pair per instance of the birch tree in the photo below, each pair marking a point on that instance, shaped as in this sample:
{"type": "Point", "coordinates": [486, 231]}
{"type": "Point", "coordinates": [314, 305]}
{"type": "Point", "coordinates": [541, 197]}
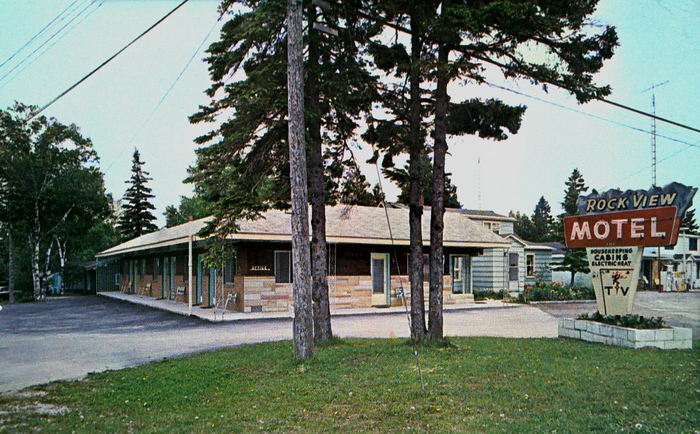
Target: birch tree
{"type": "Point", "coordinates": [51, 186]}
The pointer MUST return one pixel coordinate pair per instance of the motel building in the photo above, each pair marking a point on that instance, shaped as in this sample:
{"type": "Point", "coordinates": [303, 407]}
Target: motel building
{"type": "Point", "coordinates": [364, 268]}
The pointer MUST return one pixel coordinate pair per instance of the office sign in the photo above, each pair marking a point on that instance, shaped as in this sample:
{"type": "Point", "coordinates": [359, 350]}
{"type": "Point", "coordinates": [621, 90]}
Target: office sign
{"type": "Point", "coordinates": [647, 227]}
{"type": "Point", "coordinates": [673, 194]}
{"type": "Point", "coordinates": [614, 226]}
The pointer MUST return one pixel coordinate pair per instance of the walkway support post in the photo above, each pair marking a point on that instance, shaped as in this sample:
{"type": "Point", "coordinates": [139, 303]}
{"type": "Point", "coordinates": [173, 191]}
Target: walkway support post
{"type": "Point", "coordinates": [189, 275]}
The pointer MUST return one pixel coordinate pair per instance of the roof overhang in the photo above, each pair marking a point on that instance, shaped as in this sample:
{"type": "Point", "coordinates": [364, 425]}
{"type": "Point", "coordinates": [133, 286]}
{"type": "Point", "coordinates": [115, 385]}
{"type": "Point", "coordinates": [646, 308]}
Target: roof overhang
{"type": "Point", "coordinates": [287, 238]}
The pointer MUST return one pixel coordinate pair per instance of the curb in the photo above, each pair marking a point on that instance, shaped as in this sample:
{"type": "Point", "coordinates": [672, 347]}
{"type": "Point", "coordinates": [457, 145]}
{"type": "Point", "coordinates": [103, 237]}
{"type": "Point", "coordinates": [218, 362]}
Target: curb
{"type": "Point", "coordinates": [289, 316]}
{"type": "Point", "coordinates": [563, 302]}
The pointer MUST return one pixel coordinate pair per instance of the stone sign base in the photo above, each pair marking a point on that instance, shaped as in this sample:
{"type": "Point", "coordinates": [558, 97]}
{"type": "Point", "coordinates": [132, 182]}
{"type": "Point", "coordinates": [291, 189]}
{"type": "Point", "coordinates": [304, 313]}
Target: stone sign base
{"type": "Point", "coordinates": [672, 338]}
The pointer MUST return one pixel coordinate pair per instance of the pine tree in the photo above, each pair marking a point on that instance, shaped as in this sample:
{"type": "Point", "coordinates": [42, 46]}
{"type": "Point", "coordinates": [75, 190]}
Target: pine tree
{"type": "Point", "coordinates": [136, 218]}
{"type": "Point", "coordinates": [542, 222]}
{"type": "Point", "coordinates": [689, 223]}
{"type": "Point", "coordinates": [401, 178]}
{"type": "Point", "coordinates": [575, 185]}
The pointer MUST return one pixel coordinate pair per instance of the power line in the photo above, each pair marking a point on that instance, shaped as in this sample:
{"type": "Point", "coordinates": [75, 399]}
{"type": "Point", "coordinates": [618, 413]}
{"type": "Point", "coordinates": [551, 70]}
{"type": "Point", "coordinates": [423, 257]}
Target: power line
{"type": "Point", "coordinates": [526, 74]}
{"type": "Point", "coordinates": [82, 11]}
{"type": "Point", "coordinates": [167, 92]}
{"type": "Point", "coordinates": [39, 33]}
{"type": "Point", "coordinates": [65, 92]}
{"type": "Point", "coordinates": [690, 145]}
{"type": "Point", "coordinates": [507, 89]}
{"type": "Point", "coordinates": [60, 38]}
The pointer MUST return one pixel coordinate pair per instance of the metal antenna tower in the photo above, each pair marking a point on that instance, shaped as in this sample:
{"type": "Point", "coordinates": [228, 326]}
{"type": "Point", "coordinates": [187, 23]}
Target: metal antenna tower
{"type": "Point", "coordinates": [653, 130]}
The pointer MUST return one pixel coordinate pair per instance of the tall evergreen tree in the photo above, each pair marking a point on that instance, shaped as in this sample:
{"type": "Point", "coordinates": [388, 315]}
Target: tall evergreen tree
{"type": "Point", "coordinates": [542, 222]}
{"type": "Point", "coordinates": [575, 185]}
{"type": "Point", "coordinates": [244, 168]}
{"type": "Point", "coordinates": [401, 178]}
{"type": "Point", "coordinates": [574, 260]}
{"type": "Point", "coordinates": [137, 218]}
{"type": "Point", "coordinates": [689, 222]}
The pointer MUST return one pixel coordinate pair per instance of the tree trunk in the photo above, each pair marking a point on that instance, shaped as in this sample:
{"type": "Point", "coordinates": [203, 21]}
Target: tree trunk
{"type": "Point", "coordinates": [62, 263]}
{"type": "Point", "coordinates": [415, 268]}
{"type": "Point", "coordinates": [36, 273]}
{"type": "Point", "coordinates": [303, 321]}
{"type": "Point", "coordinates": [573, 278]}
{"type": "Point", "coordinates": [437, 266]}
{"type": "Point", "coordinates": [10, 267]}
{"type": "Point", "coordinates": [319, 267]}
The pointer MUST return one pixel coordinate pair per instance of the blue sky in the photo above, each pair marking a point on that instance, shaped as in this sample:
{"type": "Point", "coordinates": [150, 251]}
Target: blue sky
{"type": "Point", "coordinates": [658, 42]}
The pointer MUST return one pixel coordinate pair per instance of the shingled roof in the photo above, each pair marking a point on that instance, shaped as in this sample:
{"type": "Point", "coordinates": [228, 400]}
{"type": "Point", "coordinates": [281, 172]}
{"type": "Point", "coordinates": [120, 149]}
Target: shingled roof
{"type": "Point", "coordinates": [344, 224]}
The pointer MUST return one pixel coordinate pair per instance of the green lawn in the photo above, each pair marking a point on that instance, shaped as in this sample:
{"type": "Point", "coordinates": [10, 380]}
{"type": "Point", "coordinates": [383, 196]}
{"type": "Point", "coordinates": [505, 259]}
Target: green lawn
{"type": "Point", "coordinates": [481, 384]}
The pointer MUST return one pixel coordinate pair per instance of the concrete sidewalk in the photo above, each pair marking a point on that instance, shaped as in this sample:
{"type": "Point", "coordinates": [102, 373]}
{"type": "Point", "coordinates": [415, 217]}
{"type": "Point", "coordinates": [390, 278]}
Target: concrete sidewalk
{"type": "Point", "coordinates": [221, 315]}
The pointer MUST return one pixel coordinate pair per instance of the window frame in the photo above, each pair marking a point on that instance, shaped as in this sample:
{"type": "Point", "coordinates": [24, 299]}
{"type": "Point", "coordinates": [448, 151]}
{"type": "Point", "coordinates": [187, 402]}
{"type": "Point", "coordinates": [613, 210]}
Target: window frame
{"type": "Point", "coordinates": [274, 265]}
{"type": "Point", "coordinates": [233, 263]}
{"type": "Point", "coordinates": [528, 265]}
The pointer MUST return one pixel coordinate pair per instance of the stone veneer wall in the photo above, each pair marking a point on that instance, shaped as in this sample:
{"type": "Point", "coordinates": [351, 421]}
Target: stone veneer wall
{"type": "Point", "coordinates": [591, 331]}
{"type": "Point", "coordinates": [262, 294]}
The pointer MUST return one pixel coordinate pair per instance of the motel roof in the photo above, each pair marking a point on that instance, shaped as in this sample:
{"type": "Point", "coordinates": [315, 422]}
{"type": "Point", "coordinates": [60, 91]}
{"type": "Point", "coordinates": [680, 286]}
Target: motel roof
{"type": "Point", "coordinates": [344, 224]}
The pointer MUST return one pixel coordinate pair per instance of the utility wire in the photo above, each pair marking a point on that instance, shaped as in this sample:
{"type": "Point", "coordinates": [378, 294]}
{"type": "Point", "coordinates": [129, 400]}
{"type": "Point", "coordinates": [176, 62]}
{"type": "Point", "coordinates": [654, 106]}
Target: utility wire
{"type": "Point", "coordinates": [507, 89]}
{"type": "Point", "coordinates": [60, 38]}
{"type": "Point", "coordinates": [39, 33]}
{"type": "Point", "coordinates": [65, 92]}
{"type": "Point", "coordinates": [526, 74]}
{"type": "Point", "coordinates": [82, 11]}
{"type": "Point", "coordinates": [167, 92]}
{"type": "Point", "coordinates": [690, 145]}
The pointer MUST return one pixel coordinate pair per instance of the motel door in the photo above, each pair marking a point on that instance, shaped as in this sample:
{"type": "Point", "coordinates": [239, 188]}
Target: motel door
{"type": "Point", "coordinates": [165, 281]}
{"type": "Point", "coordinates": [200, 270]}
{"type": "Point", "coordinates": [171, 284]}
{"type": "Point", "coordinates": [212, 286]}
{"type": "Point", "coordinates": [132, 276]}
{"type": "Point", "coordinates": [380, 279]}
{"type": "Point", "coordinates": [513, 269]}
{"type": "Point", "coordinates": [459, 264]}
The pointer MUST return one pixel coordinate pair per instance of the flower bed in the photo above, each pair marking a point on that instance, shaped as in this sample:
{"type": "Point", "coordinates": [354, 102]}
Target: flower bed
{"type": "Point", "coordinates": [669, 338]}
{"type": "Point", "coordinates": [556, 292]}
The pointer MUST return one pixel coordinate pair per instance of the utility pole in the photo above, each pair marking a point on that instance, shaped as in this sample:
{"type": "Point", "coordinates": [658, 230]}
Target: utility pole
{"type": "Point", "coordinates": [301, 254]}
{"type": "Point", "coordinates": [653, 163]}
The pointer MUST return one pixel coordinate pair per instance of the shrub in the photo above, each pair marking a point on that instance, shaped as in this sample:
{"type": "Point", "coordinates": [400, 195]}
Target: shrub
{"type": "Point", "coordinates": [555, 291]}
{"type": "Point", "coordinates": [488, 294]}
{"type": "Point", "coordinates": [631, 321]}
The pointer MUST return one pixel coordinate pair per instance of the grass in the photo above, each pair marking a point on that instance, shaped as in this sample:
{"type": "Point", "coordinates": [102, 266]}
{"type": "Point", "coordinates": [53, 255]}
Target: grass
{"type": "Point", "coordinates": [476, 384]}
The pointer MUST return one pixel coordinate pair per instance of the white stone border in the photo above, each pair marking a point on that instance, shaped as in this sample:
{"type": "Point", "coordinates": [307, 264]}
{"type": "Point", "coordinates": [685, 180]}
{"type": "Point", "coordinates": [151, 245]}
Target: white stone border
{"type": "Point", "coordinates": [671, 338]}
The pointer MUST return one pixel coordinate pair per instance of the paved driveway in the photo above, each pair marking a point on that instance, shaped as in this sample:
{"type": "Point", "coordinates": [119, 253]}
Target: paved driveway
{"type": "Point", "coordinates": [70, 337]}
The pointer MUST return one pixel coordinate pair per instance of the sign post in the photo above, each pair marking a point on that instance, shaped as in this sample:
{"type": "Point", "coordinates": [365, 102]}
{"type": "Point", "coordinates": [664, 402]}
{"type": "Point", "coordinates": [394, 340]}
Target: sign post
{"type": "Point", "coordinates": [614, 227]}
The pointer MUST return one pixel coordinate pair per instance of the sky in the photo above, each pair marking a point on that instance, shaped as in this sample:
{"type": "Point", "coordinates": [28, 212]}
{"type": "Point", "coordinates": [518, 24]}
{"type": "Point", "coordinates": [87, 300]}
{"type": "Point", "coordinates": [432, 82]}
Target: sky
{"type": "Point", "coordinates": [118, 107]}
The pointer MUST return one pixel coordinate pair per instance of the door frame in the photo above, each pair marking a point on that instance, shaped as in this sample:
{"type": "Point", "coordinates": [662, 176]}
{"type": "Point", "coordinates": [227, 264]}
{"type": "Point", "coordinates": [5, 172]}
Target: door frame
{"type": "Point", "coordinates": [212, 287]}
{"type": "Point", "coordinates": [381, 299]}
{"type": "Point", "coordinates": [198, 293]}
{"type": "Point", "coordinates": [469, 287]}
{"type": "Point", "coordinates": [165, 273]}
{"type": "Point", "coordinates": [171, 286]}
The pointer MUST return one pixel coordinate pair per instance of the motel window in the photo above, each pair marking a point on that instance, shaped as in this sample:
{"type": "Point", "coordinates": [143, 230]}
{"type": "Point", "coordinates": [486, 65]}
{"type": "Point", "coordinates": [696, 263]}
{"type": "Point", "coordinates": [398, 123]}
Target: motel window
{"type": "Point", "coordinates": [156, 267]}
{"type": "Point", "coordinates": [143, 267]}
{"type": "Point", "coordinates": [530, 265]}
{"type": "Point", "coordinates": [668, 248]}
{"type": "Point", "coordinates": [230, 269]}
{"type": "Point", "coordinates": [493, 226]}
{"type": "Point", "coordinates": [693, 244]}
{"type": "Point", "coordinates": [283, 266]}
{"type": "Point", "coordinates": [117, 280]}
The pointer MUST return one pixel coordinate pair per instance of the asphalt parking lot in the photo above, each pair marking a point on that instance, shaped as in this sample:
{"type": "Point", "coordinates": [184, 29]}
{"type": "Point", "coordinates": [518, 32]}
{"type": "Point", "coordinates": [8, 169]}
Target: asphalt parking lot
{"type": "Point", "coordinates": [66, 338]}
